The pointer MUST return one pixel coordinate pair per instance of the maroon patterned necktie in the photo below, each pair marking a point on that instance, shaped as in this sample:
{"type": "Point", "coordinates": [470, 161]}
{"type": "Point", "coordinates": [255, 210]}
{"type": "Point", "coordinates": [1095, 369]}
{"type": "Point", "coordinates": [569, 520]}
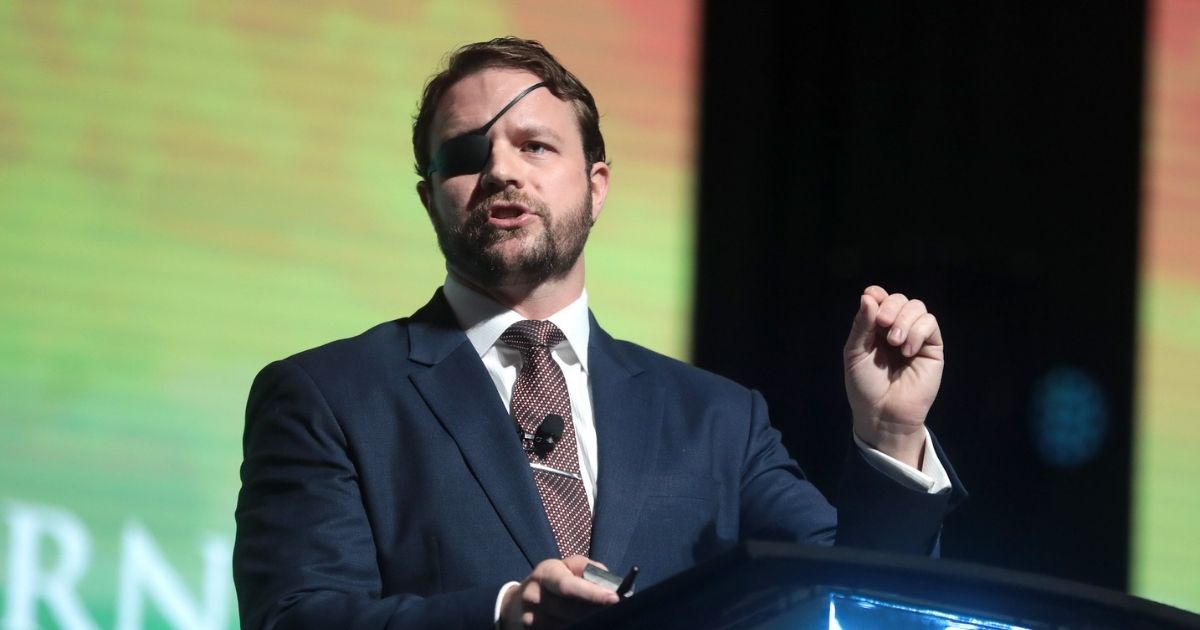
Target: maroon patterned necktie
{"type": "Point", "coordinates": [541, 391]}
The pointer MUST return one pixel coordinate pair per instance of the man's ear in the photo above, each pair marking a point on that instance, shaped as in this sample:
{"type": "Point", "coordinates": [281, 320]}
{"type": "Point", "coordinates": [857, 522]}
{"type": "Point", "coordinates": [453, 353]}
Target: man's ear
{"type": "Point", "coordinates": [423, 192]}
{"type": "Point", "coordinates": [599, 178]}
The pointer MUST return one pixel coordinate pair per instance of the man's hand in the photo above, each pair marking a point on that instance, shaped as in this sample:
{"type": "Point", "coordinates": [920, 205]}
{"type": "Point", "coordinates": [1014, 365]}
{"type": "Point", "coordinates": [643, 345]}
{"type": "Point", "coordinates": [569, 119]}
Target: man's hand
{"type": "Point", "coordinates": [554, 595]}
{"type": "Point", "coordinates": [893, 362]}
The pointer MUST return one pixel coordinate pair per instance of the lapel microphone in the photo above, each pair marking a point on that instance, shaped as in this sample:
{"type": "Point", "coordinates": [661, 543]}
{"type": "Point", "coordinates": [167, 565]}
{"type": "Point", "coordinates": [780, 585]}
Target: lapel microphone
{"type": "Point", "coordinates": [548, 433]}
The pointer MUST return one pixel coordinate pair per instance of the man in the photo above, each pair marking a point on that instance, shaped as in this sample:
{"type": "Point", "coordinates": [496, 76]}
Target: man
{"type": "Point", "coordinates": [461, 467]}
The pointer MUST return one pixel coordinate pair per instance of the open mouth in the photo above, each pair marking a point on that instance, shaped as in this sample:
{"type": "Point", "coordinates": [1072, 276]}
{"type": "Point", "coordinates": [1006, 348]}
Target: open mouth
{"type": "Point", "coordinates": [509, 215]}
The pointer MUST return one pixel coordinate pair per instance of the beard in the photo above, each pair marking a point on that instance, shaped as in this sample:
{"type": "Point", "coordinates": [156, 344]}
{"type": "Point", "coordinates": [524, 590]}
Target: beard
{"type": "Point", "coordinates": [472, 247]}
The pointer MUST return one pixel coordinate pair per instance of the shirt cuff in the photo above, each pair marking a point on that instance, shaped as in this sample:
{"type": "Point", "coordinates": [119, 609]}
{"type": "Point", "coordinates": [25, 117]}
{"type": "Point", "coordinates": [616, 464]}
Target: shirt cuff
{"type": "Point", "coordinates": [932, 477]}
{"type": "Point", "coordinates": [500, 601]}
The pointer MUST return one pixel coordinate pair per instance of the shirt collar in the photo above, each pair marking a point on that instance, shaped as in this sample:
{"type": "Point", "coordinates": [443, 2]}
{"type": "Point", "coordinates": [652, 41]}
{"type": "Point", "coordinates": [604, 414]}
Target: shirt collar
{"type": "Point", "coordinates": [484, 320]}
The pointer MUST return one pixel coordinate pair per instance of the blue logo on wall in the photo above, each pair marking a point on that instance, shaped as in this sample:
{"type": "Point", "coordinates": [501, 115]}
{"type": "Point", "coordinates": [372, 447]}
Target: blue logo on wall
{"type": "Point", "coordinates": [1069, 417]}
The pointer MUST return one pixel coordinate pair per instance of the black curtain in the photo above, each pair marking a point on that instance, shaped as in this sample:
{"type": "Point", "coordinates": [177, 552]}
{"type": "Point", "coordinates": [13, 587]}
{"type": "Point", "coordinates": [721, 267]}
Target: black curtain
{"type": "Point", "coordinates": [983, 157]}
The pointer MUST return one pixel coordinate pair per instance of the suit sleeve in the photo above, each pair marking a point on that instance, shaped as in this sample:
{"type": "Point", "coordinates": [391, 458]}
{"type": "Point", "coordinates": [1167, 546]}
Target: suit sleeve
{"type": "Point", "coordinates": [877, 512]}
{"type": "Point", "coordinates": [874, 511]}
{"type": "Point", "coordinates": [304, 554]}
{"type": "Point", "coordinates": [777, 502]}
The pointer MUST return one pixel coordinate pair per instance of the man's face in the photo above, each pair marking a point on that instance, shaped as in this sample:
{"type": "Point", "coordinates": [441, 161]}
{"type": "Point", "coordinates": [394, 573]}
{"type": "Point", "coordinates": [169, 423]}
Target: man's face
{"type": "Point", "coordinates": [525, 218]}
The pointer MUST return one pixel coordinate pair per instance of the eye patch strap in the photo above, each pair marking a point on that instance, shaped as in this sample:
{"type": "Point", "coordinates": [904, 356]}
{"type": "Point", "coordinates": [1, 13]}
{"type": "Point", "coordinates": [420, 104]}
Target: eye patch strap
{"type": "Point", "coordinates": [484, 129]}
{"type": "Point", "coordinates": [467, 153]}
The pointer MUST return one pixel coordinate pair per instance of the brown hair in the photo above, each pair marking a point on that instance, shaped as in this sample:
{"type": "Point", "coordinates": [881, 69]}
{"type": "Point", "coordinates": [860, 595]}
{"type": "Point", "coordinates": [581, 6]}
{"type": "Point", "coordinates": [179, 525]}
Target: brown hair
{"type": "Point", "coordinates": [509, 52]}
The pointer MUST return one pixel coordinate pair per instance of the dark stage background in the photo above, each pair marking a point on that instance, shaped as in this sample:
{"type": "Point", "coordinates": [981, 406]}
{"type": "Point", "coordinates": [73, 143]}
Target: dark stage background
{"type": "Point", "coordinates": [982, 158]}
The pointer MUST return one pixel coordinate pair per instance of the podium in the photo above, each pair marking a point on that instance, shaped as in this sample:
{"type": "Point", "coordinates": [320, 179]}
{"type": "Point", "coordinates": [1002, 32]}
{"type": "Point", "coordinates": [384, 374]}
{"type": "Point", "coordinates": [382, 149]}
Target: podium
{"type": "Point", "coordinates": [770, 585]}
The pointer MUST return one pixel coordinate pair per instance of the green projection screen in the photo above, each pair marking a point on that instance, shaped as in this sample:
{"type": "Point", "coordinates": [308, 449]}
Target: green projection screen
{"type": "Point", "coordinates": [189, 190]}
{"type": "Point", "coordinates": [1166, 556]}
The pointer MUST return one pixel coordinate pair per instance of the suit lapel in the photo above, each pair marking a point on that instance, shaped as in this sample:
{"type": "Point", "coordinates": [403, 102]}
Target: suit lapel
{"type": "Point", "coordinates": [462, 396]}
{"type": "Point", "coordinates": [628, 412]}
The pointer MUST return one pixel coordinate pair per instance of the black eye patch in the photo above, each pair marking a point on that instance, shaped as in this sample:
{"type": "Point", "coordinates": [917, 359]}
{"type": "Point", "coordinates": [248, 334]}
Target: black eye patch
{"type": "Point", "coordinates": [460, 155]}
{"type": "Point", "coordinates": [469, 152]}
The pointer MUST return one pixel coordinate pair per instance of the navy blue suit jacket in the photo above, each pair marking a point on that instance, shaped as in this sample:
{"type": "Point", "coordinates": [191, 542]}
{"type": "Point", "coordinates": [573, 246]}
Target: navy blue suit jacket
{"type": "Point", "coordinates": [384, 486]}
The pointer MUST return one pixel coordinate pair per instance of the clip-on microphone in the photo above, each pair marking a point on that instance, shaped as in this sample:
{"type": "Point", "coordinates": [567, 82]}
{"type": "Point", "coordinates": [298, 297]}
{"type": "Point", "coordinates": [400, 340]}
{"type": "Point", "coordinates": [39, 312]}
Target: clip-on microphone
{"type": "Point", "coordinates": [542, 441]}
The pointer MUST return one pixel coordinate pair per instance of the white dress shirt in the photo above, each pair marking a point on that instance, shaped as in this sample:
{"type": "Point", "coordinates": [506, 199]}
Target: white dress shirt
{"type": "Point", "coordinates": [484, 321]}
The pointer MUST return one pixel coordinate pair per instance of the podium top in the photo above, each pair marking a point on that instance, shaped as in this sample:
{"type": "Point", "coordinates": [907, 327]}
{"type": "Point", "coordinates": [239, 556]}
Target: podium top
{"type": "Point", "coordinates": [786, 585]}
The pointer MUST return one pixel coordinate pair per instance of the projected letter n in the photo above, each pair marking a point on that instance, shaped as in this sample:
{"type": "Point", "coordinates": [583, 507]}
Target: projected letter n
{"type": "Point", "coordinates": [144, 571]}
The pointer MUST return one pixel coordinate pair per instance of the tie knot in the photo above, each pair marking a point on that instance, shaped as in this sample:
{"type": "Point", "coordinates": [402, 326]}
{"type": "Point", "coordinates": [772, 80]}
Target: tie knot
{"type": "Point", "coordinates": [528, 334]}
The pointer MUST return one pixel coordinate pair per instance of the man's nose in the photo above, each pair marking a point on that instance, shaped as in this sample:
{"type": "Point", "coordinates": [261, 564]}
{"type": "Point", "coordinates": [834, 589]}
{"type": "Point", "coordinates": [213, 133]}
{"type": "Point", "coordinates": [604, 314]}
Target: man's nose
{"type": "Point", "coordinates": [503, 168]}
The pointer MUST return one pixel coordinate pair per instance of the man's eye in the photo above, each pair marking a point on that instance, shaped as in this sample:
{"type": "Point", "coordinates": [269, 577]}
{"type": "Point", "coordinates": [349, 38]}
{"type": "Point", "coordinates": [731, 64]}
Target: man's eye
{"type": "Point", "coordinates": [535, 147]}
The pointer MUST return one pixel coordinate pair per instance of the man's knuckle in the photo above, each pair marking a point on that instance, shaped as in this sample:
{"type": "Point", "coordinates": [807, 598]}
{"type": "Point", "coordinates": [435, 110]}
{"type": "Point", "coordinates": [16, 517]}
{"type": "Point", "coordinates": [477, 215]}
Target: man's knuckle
{"type": "Point", "coordinates": [532, 594]}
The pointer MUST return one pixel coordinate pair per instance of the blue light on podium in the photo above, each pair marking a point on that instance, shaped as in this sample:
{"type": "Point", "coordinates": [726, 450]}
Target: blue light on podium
{"type": "Point", "coordinates": [857, 612]}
